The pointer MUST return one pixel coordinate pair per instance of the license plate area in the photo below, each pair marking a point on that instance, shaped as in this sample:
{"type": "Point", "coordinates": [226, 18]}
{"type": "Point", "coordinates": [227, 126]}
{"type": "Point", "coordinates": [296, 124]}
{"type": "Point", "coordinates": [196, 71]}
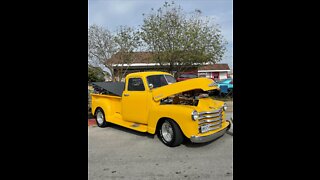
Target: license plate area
{"type": "Point", "coordinates": [207, 127]}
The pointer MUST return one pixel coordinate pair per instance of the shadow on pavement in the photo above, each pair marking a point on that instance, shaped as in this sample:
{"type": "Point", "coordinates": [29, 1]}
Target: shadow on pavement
{"type": "Point", "coordinates": [188, 143]}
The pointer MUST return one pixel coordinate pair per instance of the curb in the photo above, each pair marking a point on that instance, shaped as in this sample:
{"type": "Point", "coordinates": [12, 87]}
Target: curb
{"type": "Point", "coordinates": [92, 122]}
{"type": "Point", "coordinates": [230, 131]}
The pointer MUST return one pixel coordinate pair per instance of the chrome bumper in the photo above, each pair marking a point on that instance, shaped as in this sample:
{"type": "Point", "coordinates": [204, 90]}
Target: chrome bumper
{"type": "Point", "coordinates": [202, 139]}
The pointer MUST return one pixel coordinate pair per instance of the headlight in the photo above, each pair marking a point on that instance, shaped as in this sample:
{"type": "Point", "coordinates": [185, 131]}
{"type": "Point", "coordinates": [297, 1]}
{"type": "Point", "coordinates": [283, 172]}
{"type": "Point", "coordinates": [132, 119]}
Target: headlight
{"type": "Point", "coordinates": [194, 115]}
{"type": "Point", "coordinates": [225, 106]}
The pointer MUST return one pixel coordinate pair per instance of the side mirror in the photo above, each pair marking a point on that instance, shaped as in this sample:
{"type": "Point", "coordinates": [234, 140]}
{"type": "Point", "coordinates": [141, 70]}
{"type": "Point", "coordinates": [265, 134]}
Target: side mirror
{"type": "Point", "coordinates": [151, 86]}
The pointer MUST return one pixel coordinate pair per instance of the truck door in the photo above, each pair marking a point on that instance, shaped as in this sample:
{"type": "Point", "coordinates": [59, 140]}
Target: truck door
{"type": "Point", "coordinates": [134, 101]}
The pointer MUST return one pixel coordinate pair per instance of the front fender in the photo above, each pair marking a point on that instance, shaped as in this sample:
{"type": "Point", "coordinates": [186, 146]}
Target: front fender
{"type": "Point", "coordinates": [181, 114]}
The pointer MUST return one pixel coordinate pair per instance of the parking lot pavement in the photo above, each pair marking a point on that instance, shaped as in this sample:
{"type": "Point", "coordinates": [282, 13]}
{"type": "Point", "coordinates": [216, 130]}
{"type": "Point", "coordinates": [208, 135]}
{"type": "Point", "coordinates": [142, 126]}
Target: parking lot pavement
{"type": "Point", "coordinates": [229, 115]}
{"type": "Point", "coordinates": [230, 106]}
{"type": "Point", "coordinates": [119, 153]}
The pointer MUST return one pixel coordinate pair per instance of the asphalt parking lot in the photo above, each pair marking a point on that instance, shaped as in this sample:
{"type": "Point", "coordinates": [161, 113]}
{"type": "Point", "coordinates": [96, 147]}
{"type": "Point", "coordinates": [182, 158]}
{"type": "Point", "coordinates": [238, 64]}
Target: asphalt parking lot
{"type": "Point", "coordinates": [119, 153]}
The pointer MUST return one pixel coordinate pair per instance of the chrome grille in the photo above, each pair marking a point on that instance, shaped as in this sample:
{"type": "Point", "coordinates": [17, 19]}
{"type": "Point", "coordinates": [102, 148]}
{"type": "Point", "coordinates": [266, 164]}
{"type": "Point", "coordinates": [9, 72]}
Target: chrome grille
{"type": "Point", "coordinates": [212, 119]}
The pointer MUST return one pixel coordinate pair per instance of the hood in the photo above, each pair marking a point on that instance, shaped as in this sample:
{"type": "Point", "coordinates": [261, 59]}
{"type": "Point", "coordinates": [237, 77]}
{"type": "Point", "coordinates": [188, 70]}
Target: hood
{"type": "Point", "coordinates": [205, 84]}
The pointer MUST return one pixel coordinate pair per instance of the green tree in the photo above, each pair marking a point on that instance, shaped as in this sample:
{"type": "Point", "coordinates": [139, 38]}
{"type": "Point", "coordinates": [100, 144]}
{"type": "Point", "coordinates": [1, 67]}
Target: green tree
{"type": "Point", "coordinates": [95, 74]}
{"type": "Point", "coordinates": [101, 46]}
{"type": "Point", "coordinates": [178, 40]}
{"type": "Point", "coordinates": [127, 40]}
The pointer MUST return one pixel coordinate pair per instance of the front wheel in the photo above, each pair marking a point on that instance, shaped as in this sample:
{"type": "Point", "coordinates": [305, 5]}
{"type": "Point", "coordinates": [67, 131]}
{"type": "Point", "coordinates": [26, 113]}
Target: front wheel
{"type": "Point", "coordinates": [170, 134]}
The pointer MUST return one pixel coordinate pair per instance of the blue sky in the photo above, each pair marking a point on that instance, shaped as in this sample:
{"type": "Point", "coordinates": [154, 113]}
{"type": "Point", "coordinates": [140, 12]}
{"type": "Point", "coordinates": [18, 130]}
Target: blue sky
{"type": "Point", "coordinates": [113, 13]}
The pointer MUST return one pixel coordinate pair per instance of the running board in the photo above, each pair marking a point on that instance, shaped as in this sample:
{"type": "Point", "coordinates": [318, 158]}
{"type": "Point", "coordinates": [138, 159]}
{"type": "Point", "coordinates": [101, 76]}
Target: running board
{"type": "Point", "coordinates": [130, 125]}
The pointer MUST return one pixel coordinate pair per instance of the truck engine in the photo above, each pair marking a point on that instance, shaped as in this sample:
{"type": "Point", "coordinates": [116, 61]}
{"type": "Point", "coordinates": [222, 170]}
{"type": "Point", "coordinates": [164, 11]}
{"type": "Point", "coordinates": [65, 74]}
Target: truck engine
{"type": "Point", "coordinates": [186, 98]}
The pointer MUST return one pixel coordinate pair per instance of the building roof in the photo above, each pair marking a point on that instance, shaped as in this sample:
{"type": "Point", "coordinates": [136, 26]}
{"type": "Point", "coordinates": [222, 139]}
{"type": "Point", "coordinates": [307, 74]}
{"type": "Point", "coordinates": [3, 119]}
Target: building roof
{"type": "Point", "coordinates": [215, 67]}
{"type": "Point", "coordinates": [145, 59]}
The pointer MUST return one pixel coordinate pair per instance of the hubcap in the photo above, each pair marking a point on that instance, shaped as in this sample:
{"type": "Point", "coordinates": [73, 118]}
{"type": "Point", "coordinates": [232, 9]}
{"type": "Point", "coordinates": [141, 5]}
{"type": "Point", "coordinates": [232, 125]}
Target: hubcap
{"type": "Point", "coordinates": [99, 117]}
{"type": "Point", "coordinates": [166, 131]}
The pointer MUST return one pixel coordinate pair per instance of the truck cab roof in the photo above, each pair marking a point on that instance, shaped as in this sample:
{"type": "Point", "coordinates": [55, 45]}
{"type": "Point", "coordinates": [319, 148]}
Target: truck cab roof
{"type": "Point", "coordinates": [145, 74]}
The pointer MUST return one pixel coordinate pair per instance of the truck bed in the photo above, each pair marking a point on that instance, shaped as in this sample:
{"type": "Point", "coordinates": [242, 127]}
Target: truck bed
{"type": "Point", "coordinates": [111, 106]}
{"type": "Point", "coordinates": [110, 88]}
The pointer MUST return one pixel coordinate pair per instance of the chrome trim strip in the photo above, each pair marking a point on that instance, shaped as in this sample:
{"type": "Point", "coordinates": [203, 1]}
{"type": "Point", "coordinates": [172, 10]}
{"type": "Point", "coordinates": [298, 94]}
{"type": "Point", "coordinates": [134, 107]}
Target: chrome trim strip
{"type": "Point", "coordinates": [215, 124]}
{"type": "Point", "coordinates": [209, 121]}
{"type": "Point", "coordinates": [202, 139]}
{"type": "Point", "coordinates": [205, 117]}
{"type": "Point", "coordinates": [210, 112]}
{"type": "Point", "coordinates": [214, 128]}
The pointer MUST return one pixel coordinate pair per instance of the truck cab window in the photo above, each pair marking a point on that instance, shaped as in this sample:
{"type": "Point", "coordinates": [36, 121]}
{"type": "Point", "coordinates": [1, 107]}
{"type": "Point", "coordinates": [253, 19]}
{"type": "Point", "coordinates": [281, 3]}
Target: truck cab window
{"type": "Point", "coordinates": [135, 84]}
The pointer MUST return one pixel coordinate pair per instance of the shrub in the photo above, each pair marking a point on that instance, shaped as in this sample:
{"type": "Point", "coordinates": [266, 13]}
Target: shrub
{"type": "Point", "coordinates": [95, 74]}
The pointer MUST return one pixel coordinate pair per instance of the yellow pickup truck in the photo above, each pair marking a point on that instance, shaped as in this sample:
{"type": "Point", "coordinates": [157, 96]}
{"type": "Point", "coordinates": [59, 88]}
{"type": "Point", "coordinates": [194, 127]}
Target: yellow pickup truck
{"type": "Point", "coordinates": [154, 102]}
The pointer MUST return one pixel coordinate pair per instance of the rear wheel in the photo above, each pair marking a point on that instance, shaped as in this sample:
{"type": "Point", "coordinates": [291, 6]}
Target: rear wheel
{"type": "Point", "coordinates": [100, 118]}
{"type": "Point", "coordinates": [169, 133]}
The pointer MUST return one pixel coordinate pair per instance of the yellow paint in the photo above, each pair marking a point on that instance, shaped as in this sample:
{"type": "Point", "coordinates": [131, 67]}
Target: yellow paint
{"type": "Point", "coordinates": [141, 110]}
{"type": "Point", "coordinates": [175, 88]}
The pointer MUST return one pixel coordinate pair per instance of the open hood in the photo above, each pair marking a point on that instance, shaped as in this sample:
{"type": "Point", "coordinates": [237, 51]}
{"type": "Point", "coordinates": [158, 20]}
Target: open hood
{"type": "Point", "coordinates": [205, 84]}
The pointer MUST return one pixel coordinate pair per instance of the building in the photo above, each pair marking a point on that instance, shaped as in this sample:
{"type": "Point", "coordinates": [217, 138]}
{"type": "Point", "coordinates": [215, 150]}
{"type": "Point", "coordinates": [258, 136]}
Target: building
{"type": "Point", "coordinates": [231, 73]}
{"type": "Point", "coordinates": [142, 61]}
{"type": "Point", "coordinates": [214, 71]}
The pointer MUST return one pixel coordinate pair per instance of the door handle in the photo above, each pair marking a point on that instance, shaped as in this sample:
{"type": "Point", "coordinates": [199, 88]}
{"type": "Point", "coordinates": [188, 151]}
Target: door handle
{"type": "Point", "coordinates": [126, 94]}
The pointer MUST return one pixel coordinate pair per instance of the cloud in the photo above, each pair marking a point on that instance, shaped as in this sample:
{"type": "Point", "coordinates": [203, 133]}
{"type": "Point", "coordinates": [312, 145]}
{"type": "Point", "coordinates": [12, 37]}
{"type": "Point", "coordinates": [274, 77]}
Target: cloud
{"type": "Point", "coordinates": [120, 8]}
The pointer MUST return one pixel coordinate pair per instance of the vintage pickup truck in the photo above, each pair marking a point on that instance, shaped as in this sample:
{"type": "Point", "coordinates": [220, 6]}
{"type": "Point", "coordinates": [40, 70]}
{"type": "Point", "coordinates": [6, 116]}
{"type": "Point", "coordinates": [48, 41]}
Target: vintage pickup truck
{"type": "Point", "coordinates": [154, 102]}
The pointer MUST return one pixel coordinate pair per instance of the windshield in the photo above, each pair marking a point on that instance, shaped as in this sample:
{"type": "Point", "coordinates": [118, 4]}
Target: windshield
{"type": "Point", "coordinates": [170, 79]}
{"type": "Point", "coordinates": [160, 80]}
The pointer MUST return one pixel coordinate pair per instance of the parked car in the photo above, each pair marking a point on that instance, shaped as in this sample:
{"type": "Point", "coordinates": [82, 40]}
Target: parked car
{"type": "Point", "coordinates": [186, 76]}
{"type": "Point", "coordinates": [154, 102]}
{"type": "Point", "coordinates": [228, 82]}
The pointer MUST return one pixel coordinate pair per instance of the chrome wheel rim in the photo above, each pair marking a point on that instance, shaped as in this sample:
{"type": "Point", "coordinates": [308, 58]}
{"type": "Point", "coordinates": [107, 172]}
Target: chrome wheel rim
{"type": "Point", "coordinates": [99, 117]}
{"type": "Point", "coordinates": [167, 131]}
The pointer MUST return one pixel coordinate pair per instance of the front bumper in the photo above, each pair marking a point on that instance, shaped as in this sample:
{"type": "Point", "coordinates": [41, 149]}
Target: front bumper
{"type": "Point", "coordinates": [203, 139]}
